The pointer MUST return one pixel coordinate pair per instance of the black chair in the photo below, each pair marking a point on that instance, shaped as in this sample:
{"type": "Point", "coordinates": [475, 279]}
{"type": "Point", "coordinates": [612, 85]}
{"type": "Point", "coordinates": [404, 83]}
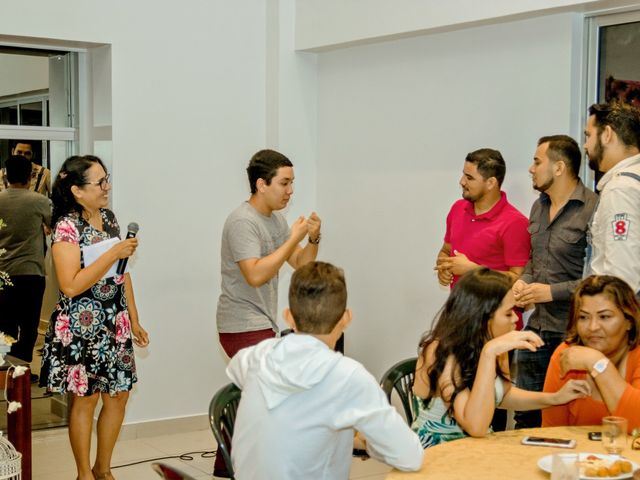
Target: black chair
{"type": "Point", "coordinates": [222, 416]}
{"type": "Point", "coordinates": [400, 378]}
{"type": "Point", "coordinates": [170, 473]}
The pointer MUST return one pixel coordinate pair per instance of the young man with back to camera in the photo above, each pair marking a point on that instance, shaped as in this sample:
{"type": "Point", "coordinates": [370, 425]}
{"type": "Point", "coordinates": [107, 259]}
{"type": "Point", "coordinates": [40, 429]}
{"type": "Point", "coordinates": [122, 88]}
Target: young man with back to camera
{"type": "Point", "coordinates": [27, 214]}
{"type": "Point", "coordinates": [302, 402]}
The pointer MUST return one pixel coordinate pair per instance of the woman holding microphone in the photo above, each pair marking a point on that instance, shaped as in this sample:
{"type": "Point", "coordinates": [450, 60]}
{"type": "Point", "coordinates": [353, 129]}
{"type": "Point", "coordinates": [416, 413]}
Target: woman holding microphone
{"type": "Point", "coordinates": [88, 348]}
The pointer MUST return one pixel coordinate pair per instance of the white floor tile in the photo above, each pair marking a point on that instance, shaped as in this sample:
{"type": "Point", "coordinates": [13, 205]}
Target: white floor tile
{"type": "Point", "coordinates": [53, 460]}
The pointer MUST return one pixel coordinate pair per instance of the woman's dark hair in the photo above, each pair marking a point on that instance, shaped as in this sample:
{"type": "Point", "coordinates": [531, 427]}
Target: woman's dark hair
{"type": "Point", "coordinates": [618, 292]}
{"type": "Point", "coordinates": [462, 328]}
{"type": "Point", "coordinates": [73, 172]}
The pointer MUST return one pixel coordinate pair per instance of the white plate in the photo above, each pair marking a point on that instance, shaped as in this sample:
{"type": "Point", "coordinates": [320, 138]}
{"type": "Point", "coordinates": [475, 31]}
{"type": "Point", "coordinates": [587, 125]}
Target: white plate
{"type": "Point", "coordinates": [545, 464]}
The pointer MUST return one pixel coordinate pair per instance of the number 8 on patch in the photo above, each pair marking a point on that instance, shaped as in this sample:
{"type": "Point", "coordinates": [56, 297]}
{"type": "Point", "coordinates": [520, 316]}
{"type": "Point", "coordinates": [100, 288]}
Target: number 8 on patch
{"type": "Point", "coordinates": [621, 225]}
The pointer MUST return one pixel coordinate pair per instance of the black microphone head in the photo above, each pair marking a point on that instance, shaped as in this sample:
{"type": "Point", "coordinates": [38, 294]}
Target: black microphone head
{"type": "Point", "coordinates": [133, 228]}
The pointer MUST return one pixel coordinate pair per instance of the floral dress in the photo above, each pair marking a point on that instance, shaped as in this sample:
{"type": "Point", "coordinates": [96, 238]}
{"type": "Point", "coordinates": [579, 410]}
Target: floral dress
{"type": "Point", "coordinates": [88, 346]}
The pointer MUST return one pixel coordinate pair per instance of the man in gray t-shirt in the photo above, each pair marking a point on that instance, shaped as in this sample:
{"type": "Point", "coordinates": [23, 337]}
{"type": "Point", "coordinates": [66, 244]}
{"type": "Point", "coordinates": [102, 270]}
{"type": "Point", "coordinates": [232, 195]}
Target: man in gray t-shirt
{"type": "Point", "coordinates": [25, 214]}
{"type": "Point", "coordinates": [256, 241]}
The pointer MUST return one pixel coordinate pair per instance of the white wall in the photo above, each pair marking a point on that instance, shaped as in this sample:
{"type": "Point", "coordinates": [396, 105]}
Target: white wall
{"type": "Point", "coordinates": [22, 73]}
{"type": "Point", "coordinates": [395, 122]}
{"type": "Point", "coordinates": [189, 108]}
{"type": "Point", "coordinates": [325, 24]}
{"type": "Point", "coordinates": [378, 134]}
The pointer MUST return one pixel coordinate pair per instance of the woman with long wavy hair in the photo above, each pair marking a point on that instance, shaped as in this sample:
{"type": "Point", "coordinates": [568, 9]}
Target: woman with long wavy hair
{"type": "Point", "coordinates": [88, 349]}
{"type": "Point", "coordinates": [462, 373]}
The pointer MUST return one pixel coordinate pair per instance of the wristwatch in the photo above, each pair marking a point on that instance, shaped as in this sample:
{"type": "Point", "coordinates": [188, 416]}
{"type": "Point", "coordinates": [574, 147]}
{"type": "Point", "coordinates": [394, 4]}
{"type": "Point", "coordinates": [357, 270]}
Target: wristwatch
{"type": "Point", "coordinates": [599, 367]}
{"type": "Point", "coordinates": [316, 241]}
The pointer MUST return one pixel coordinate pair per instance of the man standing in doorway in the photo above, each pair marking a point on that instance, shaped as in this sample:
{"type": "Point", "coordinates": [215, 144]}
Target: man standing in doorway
{"type": "Point", "coordinates": [256, 242]}
{"type": "Point", "coordinates": [612, 143]}
{"type": "Point", "coordinates": [40, 177]}
{"type": "Point", "coordinates": [25, 214]}
{"type": "Point", "coordinates": [483, 228]}
{"type": "Point", "coordinates": [558, 227]}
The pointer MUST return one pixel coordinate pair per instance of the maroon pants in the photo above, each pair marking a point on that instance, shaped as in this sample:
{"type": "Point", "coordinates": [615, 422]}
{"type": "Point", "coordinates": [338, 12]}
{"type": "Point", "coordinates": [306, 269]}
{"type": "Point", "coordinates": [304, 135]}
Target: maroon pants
{"type": "Point", "coordinates": [232, 342]}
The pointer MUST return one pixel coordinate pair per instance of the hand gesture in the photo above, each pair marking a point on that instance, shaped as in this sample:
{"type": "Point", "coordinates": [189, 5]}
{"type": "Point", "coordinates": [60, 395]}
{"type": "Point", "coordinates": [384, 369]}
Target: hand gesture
{"type": "Point", "coordinates": [516, 339]}
{"type": "Point", "coordinates": [443, 267]}
{"type": "Point", "coordinates": [313, 225]}
{"type": "Point", "coordinates": [578, 358]}
{"type": "Point", "coordinates": [529, 293]}
{"type": "Point", "coordinates": [459, 264]}
{"type": "Point", "coordinates": [125, 248]}
{"type": "Point", "coordinates": [139, 334]}
{"type": "Point", "coordinates": [518, 287]}
{"type": "Point", "coordinates": [299, 229]}
{"type": "Point", "coordinates": [571, 390]}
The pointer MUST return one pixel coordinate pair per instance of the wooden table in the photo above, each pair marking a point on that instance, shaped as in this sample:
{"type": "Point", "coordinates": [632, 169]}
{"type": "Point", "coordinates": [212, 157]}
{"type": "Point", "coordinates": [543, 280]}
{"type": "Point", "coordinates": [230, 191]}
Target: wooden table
{"type": "Point", "coordinates": [19, 422]}
{"type": "Point", "coordinates": [501, 456]}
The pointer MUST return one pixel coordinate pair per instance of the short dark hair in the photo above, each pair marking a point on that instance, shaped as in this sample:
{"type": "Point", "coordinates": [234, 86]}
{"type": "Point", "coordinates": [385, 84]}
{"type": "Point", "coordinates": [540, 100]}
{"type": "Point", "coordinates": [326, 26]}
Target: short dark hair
{"type": "Point", "coordinates": [563, 148]}
{"type": "Point", "coordinates": [624, 119]}
{"type": "Point", "coordinates": [14, 143]}
{"type": "Point", "coordinates": [618, 292]}
{"type": "Point", "coordinates": [489, 163]}
{"type": "Point", "coordinates": [18, 169]}
{"type": "Point", "coordinates": [265, 164]}
{"type": "Point", "coordinates": [317, 297]}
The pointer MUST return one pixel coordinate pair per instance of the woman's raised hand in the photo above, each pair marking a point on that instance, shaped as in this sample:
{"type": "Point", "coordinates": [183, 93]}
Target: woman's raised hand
{"type": "Point", "coordinates": [516, 339]}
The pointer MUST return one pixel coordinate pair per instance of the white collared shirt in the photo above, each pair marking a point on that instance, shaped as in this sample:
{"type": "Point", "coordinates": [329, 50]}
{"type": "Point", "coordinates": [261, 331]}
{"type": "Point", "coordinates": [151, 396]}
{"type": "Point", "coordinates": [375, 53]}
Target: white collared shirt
{"type": "Point", "coordinates": [615, 228]}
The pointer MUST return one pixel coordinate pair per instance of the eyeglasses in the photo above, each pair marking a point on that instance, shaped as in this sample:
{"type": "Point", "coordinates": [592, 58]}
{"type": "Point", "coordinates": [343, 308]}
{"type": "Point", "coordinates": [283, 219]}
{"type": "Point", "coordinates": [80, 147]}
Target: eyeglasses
{"type": "Point", "coordinates": [102, 183]}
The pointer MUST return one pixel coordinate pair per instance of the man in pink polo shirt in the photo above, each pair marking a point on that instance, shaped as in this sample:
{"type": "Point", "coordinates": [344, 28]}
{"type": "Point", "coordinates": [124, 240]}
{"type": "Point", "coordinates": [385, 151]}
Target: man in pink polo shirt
{"type": "Point", "coordinates": [483, 228]}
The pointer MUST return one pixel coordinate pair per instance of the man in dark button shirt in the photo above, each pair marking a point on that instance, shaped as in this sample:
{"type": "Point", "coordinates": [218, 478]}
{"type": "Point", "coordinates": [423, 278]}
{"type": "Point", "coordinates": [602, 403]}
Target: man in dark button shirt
{"type": "Point", "coordinates": [557, 224]}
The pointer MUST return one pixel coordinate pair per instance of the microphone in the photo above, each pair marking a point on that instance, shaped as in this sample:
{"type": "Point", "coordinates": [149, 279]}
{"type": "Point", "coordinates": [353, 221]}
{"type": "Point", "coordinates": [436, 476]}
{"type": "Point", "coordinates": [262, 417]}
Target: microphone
{"type": "Point", "coordinates": [132, 231]}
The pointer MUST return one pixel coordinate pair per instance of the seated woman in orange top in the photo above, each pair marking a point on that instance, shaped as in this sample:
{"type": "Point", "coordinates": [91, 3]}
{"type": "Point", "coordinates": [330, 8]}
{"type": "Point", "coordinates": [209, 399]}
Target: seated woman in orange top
{"type": "Point", "coordinates": [601, 346]}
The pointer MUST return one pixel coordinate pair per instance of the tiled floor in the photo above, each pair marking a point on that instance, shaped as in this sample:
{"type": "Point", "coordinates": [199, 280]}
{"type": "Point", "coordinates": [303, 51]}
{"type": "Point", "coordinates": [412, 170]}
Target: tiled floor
{"type": "Point", "coordinates": [52, 458]}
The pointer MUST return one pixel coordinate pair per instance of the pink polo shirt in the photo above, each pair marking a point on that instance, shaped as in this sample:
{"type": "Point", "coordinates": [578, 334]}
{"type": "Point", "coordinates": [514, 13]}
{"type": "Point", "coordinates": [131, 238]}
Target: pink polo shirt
{"type": "Point", "coordinates": [497, 239]}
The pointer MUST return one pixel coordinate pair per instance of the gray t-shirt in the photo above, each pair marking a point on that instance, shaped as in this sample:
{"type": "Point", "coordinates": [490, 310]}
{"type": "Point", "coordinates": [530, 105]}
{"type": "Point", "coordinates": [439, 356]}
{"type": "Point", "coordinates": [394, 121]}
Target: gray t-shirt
{"type": "Point", "coordinates": [23, 212]}
{"type": "Point", "coordinates": [248, 234]}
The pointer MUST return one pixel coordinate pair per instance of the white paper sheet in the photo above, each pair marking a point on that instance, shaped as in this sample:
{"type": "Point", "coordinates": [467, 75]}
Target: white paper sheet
{"type": "Point", "coordinates": [92, 252]}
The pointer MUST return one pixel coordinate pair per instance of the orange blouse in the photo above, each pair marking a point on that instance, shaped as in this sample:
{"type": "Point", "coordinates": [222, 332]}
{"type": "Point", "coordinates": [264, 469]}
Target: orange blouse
{"type": "Point", "coordinates": [587, 411]}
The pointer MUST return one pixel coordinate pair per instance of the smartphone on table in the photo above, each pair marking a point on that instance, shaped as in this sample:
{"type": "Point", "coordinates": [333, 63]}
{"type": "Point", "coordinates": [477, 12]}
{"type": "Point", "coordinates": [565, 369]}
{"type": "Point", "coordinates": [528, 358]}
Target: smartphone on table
{"type": "Point", "coordinates": [549, 442]}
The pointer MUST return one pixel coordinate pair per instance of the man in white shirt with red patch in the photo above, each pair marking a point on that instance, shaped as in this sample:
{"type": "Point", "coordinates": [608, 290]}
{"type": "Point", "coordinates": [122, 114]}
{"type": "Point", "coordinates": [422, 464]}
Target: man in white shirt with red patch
{"type": "Point", "coordinates": [612, 143]}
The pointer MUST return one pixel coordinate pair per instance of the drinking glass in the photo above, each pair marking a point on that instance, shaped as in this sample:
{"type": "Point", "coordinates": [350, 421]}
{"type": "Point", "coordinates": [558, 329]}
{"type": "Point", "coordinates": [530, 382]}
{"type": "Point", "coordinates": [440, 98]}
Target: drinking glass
{"type": "Point", "coordinates": [564, 466]}
{"type": "Point", "coordinates": [614, 434]}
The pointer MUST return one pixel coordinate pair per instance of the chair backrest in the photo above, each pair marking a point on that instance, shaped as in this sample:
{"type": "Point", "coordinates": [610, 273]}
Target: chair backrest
{"type": "Point", "coordinates": [222, 416]}
{"type": "Point", "coordinates": [170, 473]}
{"type": "Point", "coordinates": [400, 378]}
